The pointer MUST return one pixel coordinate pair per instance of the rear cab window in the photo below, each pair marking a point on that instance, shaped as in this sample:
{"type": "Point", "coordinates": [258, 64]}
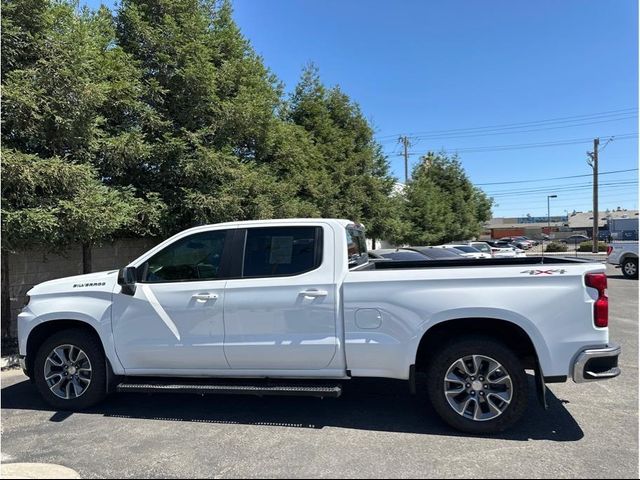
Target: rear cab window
{"type": "Point", "coordinates": [281, 251]}
{"type": "Point", "coordinates": [356, 246]}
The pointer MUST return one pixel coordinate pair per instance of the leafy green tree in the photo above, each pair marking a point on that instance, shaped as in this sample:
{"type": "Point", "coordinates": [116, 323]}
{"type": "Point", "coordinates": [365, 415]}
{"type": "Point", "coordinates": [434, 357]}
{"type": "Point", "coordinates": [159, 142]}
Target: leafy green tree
{"type": "Point", "coordinates": [53, 203]}
{"type": "Point", "coordinates": [71, 100]}
{"type": "Point", "coordinates": [218, 149]}
{"type": "Point", "coordinates": [442, 204]}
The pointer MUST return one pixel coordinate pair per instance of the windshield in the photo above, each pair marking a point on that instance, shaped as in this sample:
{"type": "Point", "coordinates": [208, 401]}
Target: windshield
{"type": "Point", "coordinates": [483, 247]}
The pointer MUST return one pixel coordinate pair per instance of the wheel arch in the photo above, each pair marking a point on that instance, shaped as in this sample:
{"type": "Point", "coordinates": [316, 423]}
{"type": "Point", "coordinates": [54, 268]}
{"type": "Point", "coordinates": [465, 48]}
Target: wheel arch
{"type": "Point", "coordinates": [628, 255]}
{"type": "Point", "coordinates": [523, 341]}
{"type": "Point", "coordinates": [39, 334]}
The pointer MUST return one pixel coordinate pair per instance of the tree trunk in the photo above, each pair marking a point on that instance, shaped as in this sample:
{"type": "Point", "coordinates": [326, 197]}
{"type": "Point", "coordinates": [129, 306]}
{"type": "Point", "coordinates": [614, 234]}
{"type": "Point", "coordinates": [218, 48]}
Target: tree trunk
{"type": "Point", "coordinates": [86, 258]}
{"type": "Point", "coordinates": [373, 244]}
{"type": "Point", "coordinates": [6, 296]}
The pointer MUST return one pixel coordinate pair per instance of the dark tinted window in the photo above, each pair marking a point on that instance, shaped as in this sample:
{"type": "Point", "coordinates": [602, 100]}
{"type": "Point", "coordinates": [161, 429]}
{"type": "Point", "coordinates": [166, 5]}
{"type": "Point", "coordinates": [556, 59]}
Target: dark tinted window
{"type": "Point", "coordinates": [280, 251]}
{"type": "Point", "coordinates": [196, 257]}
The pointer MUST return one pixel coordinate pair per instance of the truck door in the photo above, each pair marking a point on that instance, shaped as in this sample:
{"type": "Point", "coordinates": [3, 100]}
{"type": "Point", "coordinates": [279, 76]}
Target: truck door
{"type": "Point", "coordinates": [280, 313]}
{"type": "Point", "coordinates": [174, 319]}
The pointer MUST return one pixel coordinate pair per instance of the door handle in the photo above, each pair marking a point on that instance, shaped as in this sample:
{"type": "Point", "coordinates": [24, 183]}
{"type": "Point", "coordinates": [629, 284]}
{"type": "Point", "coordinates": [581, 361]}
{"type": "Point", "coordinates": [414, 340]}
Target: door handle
{"type": "Point", "coordinates": [314, 293]}
{"type": "Point", "coordinates": [203, 297]}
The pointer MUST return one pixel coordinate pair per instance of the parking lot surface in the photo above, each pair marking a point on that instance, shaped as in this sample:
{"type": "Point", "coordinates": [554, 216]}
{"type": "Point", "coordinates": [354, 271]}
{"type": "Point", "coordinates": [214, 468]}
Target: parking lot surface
{"type": "Point", "coordinates": [375, 430]}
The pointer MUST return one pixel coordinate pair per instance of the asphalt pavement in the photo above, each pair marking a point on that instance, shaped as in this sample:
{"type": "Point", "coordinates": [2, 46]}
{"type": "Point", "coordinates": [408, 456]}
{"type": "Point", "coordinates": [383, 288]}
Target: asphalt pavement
{"type": "Point", "coordinates": [376, 429]}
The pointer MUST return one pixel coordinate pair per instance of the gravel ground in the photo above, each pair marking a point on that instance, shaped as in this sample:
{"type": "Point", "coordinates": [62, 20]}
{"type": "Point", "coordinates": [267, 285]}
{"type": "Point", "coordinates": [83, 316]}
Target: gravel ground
{"type": "Point", "coordinates": [375, 430]}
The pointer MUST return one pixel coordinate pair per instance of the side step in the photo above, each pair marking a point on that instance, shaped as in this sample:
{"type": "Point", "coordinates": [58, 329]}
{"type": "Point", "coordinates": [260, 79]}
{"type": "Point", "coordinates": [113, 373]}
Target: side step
{"type": "Point", "coordinates": [210, 387]}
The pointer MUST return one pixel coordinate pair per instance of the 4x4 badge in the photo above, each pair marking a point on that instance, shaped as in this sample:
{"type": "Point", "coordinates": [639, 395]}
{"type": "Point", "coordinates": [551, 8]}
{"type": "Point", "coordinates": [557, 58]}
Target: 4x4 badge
{"type": "Point", "coordinates": [544, 272]}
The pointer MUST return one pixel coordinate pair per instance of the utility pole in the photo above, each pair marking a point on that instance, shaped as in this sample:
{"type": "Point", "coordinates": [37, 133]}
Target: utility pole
{"type": "Point", "coordinates": [596, 214]}
{"type": "Point", "coordinates": [406, 144]}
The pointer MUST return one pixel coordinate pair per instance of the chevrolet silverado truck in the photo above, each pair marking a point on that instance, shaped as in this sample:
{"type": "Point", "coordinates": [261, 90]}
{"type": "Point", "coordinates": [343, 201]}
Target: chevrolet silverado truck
{"type": "Point", "coordinates": [624, 255]}
{"type": "Point", "coordinates": [296, 307]}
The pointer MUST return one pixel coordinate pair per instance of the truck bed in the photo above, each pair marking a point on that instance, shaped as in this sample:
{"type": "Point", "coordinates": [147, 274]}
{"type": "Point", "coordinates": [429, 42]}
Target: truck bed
{"type": "Point", "coordinates": [471, 262]}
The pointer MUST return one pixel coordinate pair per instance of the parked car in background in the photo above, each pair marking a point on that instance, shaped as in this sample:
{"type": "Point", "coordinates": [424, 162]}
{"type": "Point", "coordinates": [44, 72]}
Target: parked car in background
{"type": "Point", "coordinates": [505, 250]}
{"type": "Point", "coordinates": [433, 253]}
{"type": "Point", "coordinates": [484, 247]}
{"type": "Point", "coordinates": [398, 254]}
{"type": "Point", "coordinates": [530, 240]}
{"type": "Point", "coordinates": [624, 255]}
{"type": "Point", "coordinates": [575, 239]}
{"type": "Point", "coordinates": [466, 251]}
{"type": "Point", "coordinates": [522, 244]}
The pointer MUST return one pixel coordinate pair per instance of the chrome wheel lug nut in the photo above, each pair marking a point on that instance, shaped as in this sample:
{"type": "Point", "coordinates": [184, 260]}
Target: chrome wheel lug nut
{"type": "Point", "coordinates": [486, 386]}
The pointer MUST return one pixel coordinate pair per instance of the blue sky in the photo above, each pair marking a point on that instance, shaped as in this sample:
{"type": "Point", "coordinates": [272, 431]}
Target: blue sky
{"type": "Point", "coordinates": [543, 72]}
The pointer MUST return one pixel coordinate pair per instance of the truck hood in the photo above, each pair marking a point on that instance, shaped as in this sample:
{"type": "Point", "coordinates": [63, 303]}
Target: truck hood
{"type": "Point", "coordinates": [91, 282]}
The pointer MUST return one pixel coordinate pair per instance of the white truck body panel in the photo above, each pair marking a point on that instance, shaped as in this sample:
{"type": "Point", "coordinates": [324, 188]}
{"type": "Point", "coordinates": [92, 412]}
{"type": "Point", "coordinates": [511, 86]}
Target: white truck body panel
{"type": "Point", "coordinates": [321, 324]}
{"type": "Point", "coordinates": [622, 250]}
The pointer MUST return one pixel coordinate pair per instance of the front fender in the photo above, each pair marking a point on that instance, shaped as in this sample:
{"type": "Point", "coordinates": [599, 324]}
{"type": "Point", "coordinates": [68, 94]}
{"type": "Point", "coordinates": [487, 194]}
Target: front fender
{"type": "Point", "coordinates": [93, 310]}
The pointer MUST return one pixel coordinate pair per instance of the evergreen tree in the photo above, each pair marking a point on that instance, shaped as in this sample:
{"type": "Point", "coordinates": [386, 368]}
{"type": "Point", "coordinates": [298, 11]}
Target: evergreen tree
{"type": "Point", "coordinates": [356, 182]}
{"type": "Point", "coordinates": [442, 204]}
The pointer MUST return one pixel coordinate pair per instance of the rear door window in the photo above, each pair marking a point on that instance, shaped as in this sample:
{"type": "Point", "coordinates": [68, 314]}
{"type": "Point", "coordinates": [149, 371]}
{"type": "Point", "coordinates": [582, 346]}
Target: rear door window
{"type": "Point", "coordinates": [282, 251]}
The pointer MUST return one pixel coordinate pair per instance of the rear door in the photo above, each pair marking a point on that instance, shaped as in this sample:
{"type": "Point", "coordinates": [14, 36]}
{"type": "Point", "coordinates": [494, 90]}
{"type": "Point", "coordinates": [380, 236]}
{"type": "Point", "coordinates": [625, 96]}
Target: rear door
{"type": "Point", "coordinates": [280, 311]}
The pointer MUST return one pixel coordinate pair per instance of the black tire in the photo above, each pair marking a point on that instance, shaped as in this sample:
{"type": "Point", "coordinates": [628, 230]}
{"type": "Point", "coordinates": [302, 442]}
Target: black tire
{"type": "Point", "coordinates": [95, 392]}
{"type": "Point", "coordinates": [444, 358]}
{"type": "Point", "coordinates": [630, 268]}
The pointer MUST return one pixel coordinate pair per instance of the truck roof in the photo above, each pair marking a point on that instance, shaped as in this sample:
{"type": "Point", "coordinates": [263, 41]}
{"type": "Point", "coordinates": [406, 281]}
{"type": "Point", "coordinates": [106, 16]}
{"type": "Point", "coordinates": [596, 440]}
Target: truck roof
{"type": "Point", "coordinates": [252, 223]}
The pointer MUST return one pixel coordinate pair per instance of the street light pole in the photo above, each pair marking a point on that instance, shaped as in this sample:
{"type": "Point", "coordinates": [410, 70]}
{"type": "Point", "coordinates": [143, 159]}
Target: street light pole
{"type": "Point", "coordinates": [549, 197]}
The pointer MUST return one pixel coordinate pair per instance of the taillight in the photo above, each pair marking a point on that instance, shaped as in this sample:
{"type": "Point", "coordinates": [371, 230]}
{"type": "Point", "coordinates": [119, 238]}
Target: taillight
{"type": "Point", "coordinates": [601, 307]}
{"type": "Point", "coordinates": [609, 250]}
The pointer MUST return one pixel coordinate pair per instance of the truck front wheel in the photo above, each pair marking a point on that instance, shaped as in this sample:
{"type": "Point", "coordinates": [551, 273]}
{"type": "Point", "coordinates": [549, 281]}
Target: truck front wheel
{"type": "Point", "coordinates": [477, 385]}
{"type": "Point", "coordinates": [70, 370]}
{"type": "Point", "coordinates": [630, 268]}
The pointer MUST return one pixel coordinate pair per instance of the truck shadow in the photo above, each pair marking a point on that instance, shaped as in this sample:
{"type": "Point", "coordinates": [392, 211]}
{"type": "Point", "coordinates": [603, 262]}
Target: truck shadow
{"type": "Point", "coordinates": [366, 404]}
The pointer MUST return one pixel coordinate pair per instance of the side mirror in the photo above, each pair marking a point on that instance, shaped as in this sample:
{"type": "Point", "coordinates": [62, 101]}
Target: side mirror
{"type": "Point", "coordinates": [127, 279]}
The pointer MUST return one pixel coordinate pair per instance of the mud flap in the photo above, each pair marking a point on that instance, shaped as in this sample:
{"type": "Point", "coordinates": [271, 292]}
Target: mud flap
{"type": "Point", "coordinates": [412, 380]}
{"type": "Point", "coordinates": [541, 387]}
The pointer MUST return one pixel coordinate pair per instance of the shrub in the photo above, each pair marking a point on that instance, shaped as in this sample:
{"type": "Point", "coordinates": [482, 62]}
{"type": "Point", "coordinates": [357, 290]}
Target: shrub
{"type": "Point", "coordinates": [556, 247]}
{"type": "Point", "coordinates": [587, 247]}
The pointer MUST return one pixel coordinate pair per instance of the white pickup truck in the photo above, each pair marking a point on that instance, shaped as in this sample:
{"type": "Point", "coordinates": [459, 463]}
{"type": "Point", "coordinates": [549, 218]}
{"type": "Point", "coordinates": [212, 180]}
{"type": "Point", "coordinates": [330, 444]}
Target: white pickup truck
{"type": "Point", "coordinates": [295, 307]}
{"type": "Point", "coordinates": [624, 255]}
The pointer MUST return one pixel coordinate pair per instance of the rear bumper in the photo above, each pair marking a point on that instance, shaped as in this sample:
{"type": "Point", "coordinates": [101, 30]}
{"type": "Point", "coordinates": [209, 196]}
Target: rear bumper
{"type": "Point", "coordinates": [597, 364]}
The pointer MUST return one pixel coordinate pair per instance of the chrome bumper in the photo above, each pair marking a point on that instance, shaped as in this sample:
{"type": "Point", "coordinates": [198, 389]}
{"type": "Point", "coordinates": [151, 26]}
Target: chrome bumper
{"type": "Point", "coordinates": [597, 364]}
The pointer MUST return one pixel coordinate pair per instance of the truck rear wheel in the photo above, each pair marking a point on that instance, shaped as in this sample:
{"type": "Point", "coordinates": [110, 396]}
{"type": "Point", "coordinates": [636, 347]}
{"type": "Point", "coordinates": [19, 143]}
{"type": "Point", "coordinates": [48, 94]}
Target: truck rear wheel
{"type": "Point", "coordinates": [477, 385]}
{"type": "Point", "coordinates": [630, 268]}
{"type": "Point", "coordinates": [70, 370]}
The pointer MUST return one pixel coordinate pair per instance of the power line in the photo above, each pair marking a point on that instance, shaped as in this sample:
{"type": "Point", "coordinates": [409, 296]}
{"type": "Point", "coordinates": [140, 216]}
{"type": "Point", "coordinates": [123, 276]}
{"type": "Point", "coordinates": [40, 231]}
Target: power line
{"type": "Point", "coordinates": [570, 196]}
{"type": "Point", "coordinates": [552, 188]}
{"type": "Point", "coordinates": [524, 146]}
{"type": "Point", "coordinates": [524, 124]}
{"type": "Point", "coordinates": [515, 132]}
{"type": "Point", "coordinates": [570, 202]}
{"type": "Point", "coordinates": [627, 185]}
{"type": "Point", "coordinates": [556, 178]}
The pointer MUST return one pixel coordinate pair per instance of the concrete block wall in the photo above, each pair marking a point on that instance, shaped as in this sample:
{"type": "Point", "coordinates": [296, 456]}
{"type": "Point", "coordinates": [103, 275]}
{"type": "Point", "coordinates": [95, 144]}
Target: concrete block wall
{"type": "Point", "coordinates": [31, 267]}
